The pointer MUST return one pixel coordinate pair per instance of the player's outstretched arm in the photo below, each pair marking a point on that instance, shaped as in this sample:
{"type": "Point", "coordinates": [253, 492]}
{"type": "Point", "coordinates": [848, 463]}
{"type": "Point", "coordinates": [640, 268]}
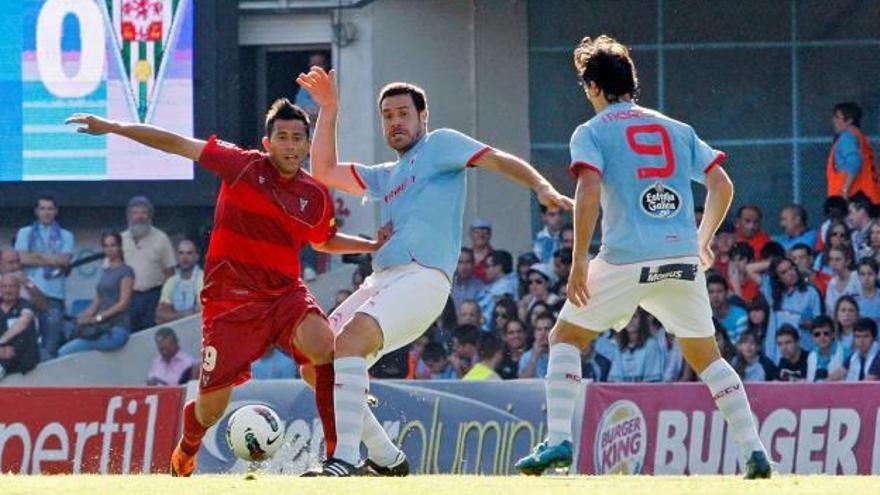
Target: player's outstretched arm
{"type": "Point", "coordinates": [520, 171]}
{"type": "Point", "coordinates": [348, 244]}
{"type": "Point", "coordinates": [586, 213]}
{"type": "Point", "coordinates": [321, 85]}
{"type": "Point", "coordinates": [718, 198]}
{"type": "Point", "coordinates": [148, 135]}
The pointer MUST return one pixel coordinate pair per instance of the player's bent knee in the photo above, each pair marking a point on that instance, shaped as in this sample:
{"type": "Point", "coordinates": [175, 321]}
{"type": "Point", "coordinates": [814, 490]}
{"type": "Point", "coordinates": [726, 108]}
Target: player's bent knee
{"type": "Point", "coordinates": [361, 336]}
{"type": "Point", "coordinates": [699, 352]}
{"type": "Point", "coordinates": [314, 339]}
{"type": "Point", "coordinates": [568, 333]}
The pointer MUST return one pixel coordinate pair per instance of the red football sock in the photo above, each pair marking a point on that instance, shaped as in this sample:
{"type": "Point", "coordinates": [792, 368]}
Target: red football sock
{"type": "Point", "coordinates": [324, 402]}
{"type": "Point", "coordinates": [193, 431]}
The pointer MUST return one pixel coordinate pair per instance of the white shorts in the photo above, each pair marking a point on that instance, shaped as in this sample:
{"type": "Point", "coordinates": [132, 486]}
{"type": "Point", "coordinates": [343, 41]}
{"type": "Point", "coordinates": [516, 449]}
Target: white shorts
{"type": "Point", "coordinates": [672, 289]}
{"type": "Point", "coordinates": [403, 299]}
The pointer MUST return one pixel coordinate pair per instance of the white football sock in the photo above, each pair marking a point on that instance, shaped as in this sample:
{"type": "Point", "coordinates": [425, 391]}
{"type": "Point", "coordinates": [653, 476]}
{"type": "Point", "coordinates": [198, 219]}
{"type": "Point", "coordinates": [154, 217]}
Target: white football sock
{"type": "Point", "coordinates": [563, 381]}
{"type": "Point", "coordinates": [380, 448]}
{"type": "Point", "coordinates": [730, 397]}
{"type": "Point", "coordinates": [349, 403]}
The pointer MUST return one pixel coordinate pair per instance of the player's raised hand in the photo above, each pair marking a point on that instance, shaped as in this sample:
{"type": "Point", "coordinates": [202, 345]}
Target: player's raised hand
{"type": "Point", "coordinates": [90, 124]}
{"type": "Point", "coordinates": [578, 293]}
{"type": "Point", "coordinates": [321, 85]}
{"type": "Point", "coordinates": [551, 198]}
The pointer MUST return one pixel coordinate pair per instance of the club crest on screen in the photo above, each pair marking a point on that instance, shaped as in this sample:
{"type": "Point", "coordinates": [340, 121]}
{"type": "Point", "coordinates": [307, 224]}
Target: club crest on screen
{"type": "Point", "coordinates": [143, 32]}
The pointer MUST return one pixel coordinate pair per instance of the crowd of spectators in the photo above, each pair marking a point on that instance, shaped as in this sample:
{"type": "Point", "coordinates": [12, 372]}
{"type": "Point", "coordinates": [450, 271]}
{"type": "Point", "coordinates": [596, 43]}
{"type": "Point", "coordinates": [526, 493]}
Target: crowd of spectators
{"type": "Point", "coordinates": [141, 282]}
{"type": "Point", "coordinates": [800, 306]}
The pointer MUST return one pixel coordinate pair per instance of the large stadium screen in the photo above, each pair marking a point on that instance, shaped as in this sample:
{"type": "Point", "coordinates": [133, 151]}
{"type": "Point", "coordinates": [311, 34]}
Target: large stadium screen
{"type": "Point", "coordinates": [128, 60]}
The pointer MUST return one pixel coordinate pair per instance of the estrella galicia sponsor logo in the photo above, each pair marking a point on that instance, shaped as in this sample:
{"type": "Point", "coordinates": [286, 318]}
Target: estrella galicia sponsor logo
{"type": "Point", "coordinates": [673, 271]}
{"type": "Point", "coordinates": [621, 439]}
{"type": "Point", "coordinates": [660, 201]}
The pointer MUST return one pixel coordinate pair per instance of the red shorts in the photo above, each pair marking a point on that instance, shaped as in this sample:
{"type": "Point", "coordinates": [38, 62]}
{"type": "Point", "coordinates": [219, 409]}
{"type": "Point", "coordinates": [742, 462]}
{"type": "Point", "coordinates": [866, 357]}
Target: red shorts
{"type": "Point", "coordinates": [237, 333]}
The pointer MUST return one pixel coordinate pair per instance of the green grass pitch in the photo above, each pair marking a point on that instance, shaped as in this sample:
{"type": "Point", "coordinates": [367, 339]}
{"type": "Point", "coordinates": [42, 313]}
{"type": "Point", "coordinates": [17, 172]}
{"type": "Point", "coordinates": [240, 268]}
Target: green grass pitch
{"type": "Point", "coordinates": [435, 485]}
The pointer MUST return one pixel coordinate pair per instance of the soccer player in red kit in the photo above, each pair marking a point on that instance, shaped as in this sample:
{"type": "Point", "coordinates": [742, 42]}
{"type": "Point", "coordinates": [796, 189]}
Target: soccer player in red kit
{"type": "Point", "coordinates": [267, 210]}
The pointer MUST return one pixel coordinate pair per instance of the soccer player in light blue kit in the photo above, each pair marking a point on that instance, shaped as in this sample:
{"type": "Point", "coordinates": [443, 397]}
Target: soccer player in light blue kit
{"type": "Point", "coordinates": [638, 164]}
{"type": "Point", "coordinates": [422, 196]}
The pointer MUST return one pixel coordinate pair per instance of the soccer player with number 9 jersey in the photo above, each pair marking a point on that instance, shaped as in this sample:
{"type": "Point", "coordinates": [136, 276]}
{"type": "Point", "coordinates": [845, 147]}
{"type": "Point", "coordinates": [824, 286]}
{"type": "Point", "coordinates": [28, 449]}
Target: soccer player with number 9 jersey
{"type": "Point", "coordinates": [638, 165]}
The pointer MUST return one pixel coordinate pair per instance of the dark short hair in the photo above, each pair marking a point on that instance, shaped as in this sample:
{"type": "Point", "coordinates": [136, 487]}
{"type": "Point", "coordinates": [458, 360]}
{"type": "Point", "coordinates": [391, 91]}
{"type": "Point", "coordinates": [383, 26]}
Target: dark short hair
{"type": "Point", "coordinates": [742, 249]}
{"type": "Point", "coordinates": [861, 202]}
{"type": "Point", "coordinates": [772, 250]}
{"type": "Point", "coordinates": [166, 333]}
{"type": "Point", "coordinates": [850, 111]}
{"type": "Point", "coordinates": [801, 246]}
{"type": "Point", "coordinates": [546, 316]}
{"type": "Point", "coordinates": [433, 351]}
{"type": "Point", "coordinates": [419, 98]}
{"type": "Point", "coordinates": [834, 204]}
{"type": "Point", "coordinates": [754, 208]}
{"type": "Point", "coordinates": [504, 259]}
{"type": "Point", "coordinates": [822, 321]}
{"type": "Point", "coordinates": [468, 251]}
{"type": "Point", "coordinates": [725, 228]}
{"type": "Point", "coordinates": [564, 255]}
{"type": "Point", "coordinates": [283, 109]}
{"type": "Point", "coordinates": [866, 325]}
{"type": "Point", "coordinates": [466, 334]}
{"type": "Point", "coordinates": [606, 62]}
{"type": "Point", "coordinates": [45, 196]}
{"type": "Point", "coordinates": [567, 226]}
{"type": "Point", "coordinates": [787, 329]}
{"type": "Point", "coordinates": [489, 345]}
{"type": "Point", "coordinates": [717, 279]}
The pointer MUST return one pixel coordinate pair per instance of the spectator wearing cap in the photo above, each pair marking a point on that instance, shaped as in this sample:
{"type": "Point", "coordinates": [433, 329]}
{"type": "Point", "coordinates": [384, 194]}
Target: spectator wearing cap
{"type": "Point", "coordinates": [547, 240]}
{"type": "Point", "coordinates": [793, 220]}
{"type": "Point", "coordinates": [793, 361]}
{"type": "Point", "coordinates": [835, 209]}
{"type": "Point", "coordinates": [489, 350]}
{"type": "Point", "coordinates": [734, 319]}
{"type": "Point", "coordinates": [743, 283]}
{"type": "Point", "coordinates": [827, 354]}
{"type": "Point", "coordinates": [173, 366]}
{"type": "Point", "coordinates": [859, 218]}
{"type": "Point", "coordinates": [149, 252]}
{"type": "Point", "coordinates": [721, 244]}
{"type": "Point", "coordinates": [540, 279]}
{"type": "Point", "coordinates": [534, 362]}
{"type": "Point", "coordinates": [465, 285]}
{"type": "Point", "coordinates": [46, 250]}
{"type": "Point", "coordinates": [748, 228]}
{"type": "Point", "coordinates": [502, 281]}
{"type": "Point", "coordinates": [481, 244]}
{"type": "Point", "coordinates": [849, 169]}
{"type": "Point", "coordinates": [19, 351]}
{"type": "Point", "coordinates": [865, 351]}
{"type": "Point", "coordinates": [180, 293]}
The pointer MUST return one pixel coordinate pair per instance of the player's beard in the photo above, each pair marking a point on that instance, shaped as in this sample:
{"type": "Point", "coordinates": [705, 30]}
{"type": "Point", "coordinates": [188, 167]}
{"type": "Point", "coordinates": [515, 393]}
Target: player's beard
{"type": "Point", "coordinates": [139, 229]}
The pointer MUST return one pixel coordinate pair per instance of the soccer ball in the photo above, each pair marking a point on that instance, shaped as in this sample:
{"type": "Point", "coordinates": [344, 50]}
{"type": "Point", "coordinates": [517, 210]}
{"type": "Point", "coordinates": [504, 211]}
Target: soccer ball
{"type": "Point", "coordinates": [254, 433]}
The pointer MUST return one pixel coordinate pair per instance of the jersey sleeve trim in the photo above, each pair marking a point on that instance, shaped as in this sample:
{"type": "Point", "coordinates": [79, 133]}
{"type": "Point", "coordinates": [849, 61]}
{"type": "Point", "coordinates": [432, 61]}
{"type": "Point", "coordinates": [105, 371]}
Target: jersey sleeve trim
{"type": "Point", "coordinates": [476, 156]}
{"type": "Point", "coordinates": [717, 161]}
{"type": "Point", "coordinates": [576, 168]}
{"type": "Point", "coordinates": [357, 177]}
{"type": "Point", "coordinates": [212, 142]}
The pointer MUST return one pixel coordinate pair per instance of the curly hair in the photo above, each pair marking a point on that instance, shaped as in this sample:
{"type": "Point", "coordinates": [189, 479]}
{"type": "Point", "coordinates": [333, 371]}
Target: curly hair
{"type": "Point", "coordinates": [607, 62]}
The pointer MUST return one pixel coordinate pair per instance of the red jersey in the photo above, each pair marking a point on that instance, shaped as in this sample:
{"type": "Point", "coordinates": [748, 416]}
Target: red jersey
{"type": "Point", "coordinates": [261, 221]}
{"type": "Point", "coordinates": [758, 241]}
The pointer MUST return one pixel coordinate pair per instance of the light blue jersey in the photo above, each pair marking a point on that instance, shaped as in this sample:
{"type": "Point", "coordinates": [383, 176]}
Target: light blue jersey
{"type": "Point", "coordinates": [423, 194]}
{"type": "Point", "coordinates": [647, 162]}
